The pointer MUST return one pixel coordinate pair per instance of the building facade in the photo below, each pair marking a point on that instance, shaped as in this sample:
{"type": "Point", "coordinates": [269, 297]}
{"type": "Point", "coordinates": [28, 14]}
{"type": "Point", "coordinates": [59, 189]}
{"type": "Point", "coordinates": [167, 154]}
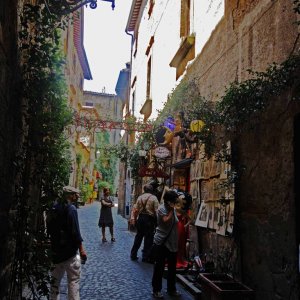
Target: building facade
{"type": "Point", "coordinates": [18, 157]}
{"type": "Point", "coordinates": [212, 45]}
{"type": "Point", "coordinates": [109, 110]}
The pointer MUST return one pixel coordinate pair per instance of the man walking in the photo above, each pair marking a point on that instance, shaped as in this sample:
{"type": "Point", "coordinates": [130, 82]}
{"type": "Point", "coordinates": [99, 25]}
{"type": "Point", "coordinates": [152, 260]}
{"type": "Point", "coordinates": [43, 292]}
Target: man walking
{"type": "Point", "coordinates": [146, 207]}
{"type": "Point", "coordinates": [66, 240]}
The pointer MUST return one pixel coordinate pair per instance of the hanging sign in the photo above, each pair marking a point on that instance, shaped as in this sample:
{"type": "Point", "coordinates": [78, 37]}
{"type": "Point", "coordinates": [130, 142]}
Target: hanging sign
{"type": "Point", "coordinates": [197, 125]}
{"type": "Point", "coordinates": [169, 123]}
{"type": "Point", "coordinates": [161, 152]}
{"type": "Point", "coordinates": [156, 172]}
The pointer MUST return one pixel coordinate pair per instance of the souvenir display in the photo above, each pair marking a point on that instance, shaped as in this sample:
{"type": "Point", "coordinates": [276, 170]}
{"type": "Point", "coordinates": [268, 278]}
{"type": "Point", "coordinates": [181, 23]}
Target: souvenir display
{"type": "Point", "coordinates": [216, 192]}
{"type": "Point", "coordinates": [203, 214]}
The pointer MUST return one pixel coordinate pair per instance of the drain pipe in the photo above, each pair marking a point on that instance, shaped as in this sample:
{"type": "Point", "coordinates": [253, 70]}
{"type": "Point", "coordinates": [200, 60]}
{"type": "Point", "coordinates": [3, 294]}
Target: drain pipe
{"type": "Point", "coordinates": [130, 69]}
{"type": "Point", "coordinates": [127, 176]}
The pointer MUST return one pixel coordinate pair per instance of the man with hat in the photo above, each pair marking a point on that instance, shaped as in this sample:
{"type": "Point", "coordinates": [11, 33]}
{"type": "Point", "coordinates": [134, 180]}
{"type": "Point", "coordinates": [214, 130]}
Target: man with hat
{"type": "Point", "coordinates": [146, 207]}
{"type": "Point", "coordinates": [66, 240]}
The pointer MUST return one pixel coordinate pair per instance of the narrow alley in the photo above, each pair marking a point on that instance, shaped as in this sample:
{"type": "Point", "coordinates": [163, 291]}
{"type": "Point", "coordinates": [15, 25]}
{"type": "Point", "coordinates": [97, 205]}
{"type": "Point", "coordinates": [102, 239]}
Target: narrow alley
{"type": "Point", "coordinates": [109, 274]}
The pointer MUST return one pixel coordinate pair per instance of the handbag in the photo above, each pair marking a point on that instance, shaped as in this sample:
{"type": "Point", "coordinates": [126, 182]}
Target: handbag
{"type": "Point", "coordinates": [156, 249]}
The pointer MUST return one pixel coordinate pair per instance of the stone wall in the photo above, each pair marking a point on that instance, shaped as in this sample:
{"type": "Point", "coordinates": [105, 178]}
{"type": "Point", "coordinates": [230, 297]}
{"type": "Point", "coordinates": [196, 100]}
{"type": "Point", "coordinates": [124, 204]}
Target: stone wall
{"type": "Point", "coordinates": [11, 132]}
{"type": "Point", "coordinates": [264, 250]}
{"type": "Point", "coordinates": [267, 202]}
{"type": "Point", "coordinates": [248, 37]}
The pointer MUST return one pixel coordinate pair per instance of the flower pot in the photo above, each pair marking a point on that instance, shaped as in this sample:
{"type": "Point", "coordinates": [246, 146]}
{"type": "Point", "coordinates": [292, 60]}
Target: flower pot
{"type": "Point", "coordinates": [220, 286]}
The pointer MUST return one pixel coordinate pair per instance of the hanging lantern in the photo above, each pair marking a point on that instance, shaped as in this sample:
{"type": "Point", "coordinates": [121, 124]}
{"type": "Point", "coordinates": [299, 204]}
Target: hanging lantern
{"type": "Point", "coordinates": [197, 125]}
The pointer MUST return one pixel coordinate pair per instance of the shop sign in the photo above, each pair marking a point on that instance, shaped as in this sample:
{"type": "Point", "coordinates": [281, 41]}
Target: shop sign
{"type": "Point", "coordinates": [161, 152]}
{"type": "Point", "coordinates": [145, 171]}
{"type": "Point", "coordinates": [197, 125]}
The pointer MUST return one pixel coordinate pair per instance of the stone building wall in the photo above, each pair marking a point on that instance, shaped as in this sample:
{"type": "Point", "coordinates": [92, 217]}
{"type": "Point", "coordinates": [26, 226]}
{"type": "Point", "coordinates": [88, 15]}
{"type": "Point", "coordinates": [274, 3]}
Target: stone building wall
{"type": "Point", "coordinates": [264, 251]}
{"type": "Point", "coordinates": [11, 132]}
{"type": "Point", "coordinates": [248, 37]}
{"type": "Point", "coordinates": [268, 209]}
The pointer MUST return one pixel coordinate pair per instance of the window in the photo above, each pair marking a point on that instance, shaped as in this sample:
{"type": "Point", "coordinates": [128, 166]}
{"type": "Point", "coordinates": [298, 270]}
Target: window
{"type": "Point", "coordinates": [151, 5]}
{"type": "Point", "coordinates": [91, 104]}
{"type": "Point", "coordinates": [150, 45]}
{"type": "Point", "coordinates": [133, 103]}
{"type": "Point", "coordinates": [185, 18]}
{"type": "Point", "coordinates": [136, 43]}
{"type": "Point", "coordinates": [74, 61]}
{"type": "Point", "coordinates": [81, 83]}
{"type": "Point", "coordinates": [148, 79]}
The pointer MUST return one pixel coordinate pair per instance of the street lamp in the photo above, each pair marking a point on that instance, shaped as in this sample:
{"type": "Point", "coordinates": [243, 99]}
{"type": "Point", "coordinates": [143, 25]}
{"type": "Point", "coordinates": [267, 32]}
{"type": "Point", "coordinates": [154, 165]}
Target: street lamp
{"type": "Point", "coordinates": [64, 7]}
{"type": "Point", "coordinates": [98, 153]}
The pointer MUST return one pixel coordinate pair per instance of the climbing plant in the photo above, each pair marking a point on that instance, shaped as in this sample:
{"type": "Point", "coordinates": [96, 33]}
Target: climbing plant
{"type": "Point", "coordinates": [106, 161]}
{"type": "Point", "coordinates": [44, 164]}
{"type": "Point", "coordinates": [242, 101]}
{"type": "Point", "coordinates": [129, 153]}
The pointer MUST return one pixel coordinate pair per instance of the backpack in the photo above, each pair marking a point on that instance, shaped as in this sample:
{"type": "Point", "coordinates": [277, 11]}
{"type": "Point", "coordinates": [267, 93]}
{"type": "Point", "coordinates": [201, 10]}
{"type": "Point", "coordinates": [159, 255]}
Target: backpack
{"type": "Point", "coordinates": [57, 226]}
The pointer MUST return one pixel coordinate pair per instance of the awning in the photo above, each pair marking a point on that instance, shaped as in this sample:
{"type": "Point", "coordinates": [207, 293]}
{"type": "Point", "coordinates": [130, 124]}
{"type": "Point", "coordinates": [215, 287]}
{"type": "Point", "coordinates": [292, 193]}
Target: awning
{"type": "Point", "coordinates": [185, 163]}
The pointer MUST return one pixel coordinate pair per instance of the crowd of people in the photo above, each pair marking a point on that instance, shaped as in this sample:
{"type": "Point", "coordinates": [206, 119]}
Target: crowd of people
{"type": "Point", "coordinates": [156, 224]}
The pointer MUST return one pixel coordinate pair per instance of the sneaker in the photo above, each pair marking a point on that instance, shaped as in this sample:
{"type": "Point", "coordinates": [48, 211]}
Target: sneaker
{"type": "Point", "coordinates": [174, 293]}
{"type": "Point", "coordinates": [157, 295]}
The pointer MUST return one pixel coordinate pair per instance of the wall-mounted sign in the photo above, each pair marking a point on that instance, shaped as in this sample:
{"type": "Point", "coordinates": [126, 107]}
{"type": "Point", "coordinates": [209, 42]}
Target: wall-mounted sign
{"type": "Point", "coordinates": [161, 152]}
{"type": "Point", "coordinates": [197, 125]}
{"type": "Point", "coordinates": [155, 172]}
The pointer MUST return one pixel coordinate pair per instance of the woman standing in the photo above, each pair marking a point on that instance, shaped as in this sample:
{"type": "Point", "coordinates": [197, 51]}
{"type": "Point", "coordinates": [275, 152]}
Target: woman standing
{"type": "Point", "coordinates": [106, 219]}
{"type": "Point", "coordinates": [166, 243]}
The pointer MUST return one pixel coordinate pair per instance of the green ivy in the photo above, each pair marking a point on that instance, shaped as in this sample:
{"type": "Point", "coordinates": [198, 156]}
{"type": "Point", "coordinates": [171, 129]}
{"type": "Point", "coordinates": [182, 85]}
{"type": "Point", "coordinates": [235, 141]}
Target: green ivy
{"type": "Point", "coordinates": [241, 103]}
{"type": "Point", "coordinates": [44, 165]}
{"type": "Point", "coordinates": [243, 100]}
{"type": "Point", "coordinates": [86, 192]}
{"type": "Point", "coordinates": [106, 163]}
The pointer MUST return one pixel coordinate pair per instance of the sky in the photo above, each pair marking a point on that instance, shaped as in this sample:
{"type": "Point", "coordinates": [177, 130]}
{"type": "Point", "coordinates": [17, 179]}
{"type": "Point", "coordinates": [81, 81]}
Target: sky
{"type": "Point", "coordinates": [106, 44]}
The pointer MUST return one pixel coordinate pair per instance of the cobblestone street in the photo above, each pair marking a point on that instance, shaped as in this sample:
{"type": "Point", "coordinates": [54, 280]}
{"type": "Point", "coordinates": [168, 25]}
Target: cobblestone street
{"type": "Point", "coordinates": [109, 273]}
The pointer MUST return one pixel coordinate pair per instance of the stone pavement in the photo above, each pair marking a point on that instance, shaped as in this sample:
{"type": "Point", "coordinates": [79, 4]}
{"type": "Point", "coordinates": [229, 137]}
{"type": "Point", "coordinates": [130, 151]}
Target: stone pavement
{"type": "Point", "coordinates": [109, 273]}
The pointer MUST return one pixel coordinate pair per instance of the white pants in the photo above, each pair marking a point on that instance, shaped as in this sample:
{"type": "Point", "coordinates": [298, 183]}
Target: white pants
{"type": "Point", "coordinates": [72, 267]}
